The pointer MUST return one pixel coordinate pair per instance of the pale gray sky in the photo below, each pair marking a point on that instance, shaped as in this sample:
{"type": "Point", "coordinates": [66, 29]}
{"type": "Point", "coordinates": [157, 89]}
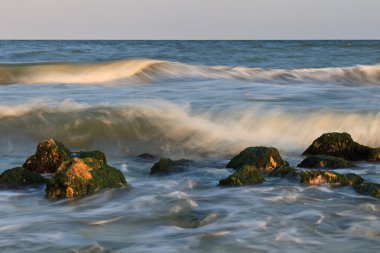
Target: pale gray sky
{"type": "Point", "coordinates": [189, 19]}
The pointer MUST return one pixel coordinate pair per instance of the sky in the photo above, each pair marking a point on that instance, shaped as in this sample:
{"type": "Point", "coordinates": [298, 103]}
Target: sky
{"type": "Point", "coordinates": [189, 19]}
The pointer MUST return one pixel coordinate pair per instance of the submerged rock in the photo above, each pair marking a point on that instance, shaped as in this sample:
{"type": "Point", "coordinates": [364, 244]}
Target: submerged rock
{"type": "Point", "coordinates": [325, 161]}
{"type": "Point", "coordinates": [318, 177]}
{"type": "Point", "coordinates": [339, 145]}
{"type": "Point", "coordinates": [82, 176]}
{"type": "Point", "coordinates": [246, 175]}
{"type": "Point", "coordinates": [167, 165]}
{"type": "Point", "coordinates": [147, 156]}
{"type": "Point", "coordinates": [263, 158]}
{"type": "Point", "coordinates": [48, 157]}
{"type": "Point", "coordinates": [284, 171]}
{"type": "Point", "coordinates": [367, 188]}
{"type": "Point", "coordinates": [18, 177]}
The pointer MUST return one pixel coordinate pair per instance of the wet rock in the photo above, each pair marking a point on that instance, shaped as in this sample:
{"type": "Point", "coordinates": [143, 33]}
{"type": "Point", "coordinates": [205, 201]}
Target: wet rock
{"type": "Point", "coordinates": [367, 188]}
{"type": "Point", "coordinates": [263, 158]}
{"type": "Point", "coordinates": [246, 175]}
{"type": "Point", "coordinates": [147, 156]}
{"type": "Point", "coordinates": [99, 155]}
{"type": "Point", "coordinates": [49, 156]}
{"type": "Point", "coordinates": [284, 171]}
{"type": "Point", "coordinates": [374, 155]}
{"type": "Point", "coordinates": [339, 145]}
{"type": "Point", "coordinates": [18, 177]}
{"type": "Point", "coordinates": [167, 165]}
{"type": "Point", "coordinates": [325, 161]}
{"type": "Point", "coordinates": [318, 177]}
{"type": "Point", "coordinates": [82, 176]}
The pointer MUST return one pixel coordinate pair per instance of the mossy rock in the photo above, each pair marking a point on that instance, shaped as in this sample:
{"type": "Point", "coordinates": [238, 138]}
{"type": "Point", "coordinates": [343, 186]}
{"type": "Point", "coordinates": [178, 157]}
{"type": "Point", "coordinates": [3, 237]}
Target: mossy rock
{"type": "Point", "coordinates": [79, 177]}
{"type": "Point", "coordinates": [246, 175]}
{"type": "Point", "coordinates": [339, 145]}
{"type": "Point", "coordinates": [18, 177]}
{"type": "Point", "coordinates": [284, 171]}
{"type": "Point", "coordinates": [374, 155]}
{"type": "Point", "coordinates": [99, 155]}
{"type": "Point", "coordinates": [325, 161]}
{"type": "Point", "coordinates": [167, 165]}
{"type": "Point", "coordinates": [318, 177]}
{"type": "Point", "coordinates": [49, 156]}
{"type": "Point", "coordinates": [263, 158]}
{"type": "Point", "coordinates": [367, 188]}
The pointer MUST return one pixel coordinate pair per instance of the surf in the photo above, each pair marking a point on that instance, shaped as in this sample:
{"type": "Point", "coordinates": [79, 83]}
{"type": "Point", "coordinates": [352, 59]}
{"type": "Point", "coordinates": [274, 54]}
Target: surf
{"type": "Point", "coordinates": [152, 70]}
{"type": "Point", "coordinates": [166, 128]}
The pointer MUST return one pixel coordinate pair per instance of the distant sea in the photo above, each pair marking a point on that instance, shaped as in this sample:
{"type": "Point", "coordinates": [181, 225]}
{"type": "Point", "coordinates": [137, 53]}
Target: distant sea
{"type": "Point", "coordinates": [200, 100]}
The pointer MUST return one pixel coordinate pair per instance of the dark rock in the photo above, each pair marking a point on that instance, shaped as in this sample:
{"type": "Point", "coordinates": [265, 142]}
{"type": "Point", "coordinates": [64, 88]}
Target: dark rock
{"type": "Point", "coordinates": [284, 171]}
{"type": "Point", "coordinates": [49, 156]}
{"type": "Point", "coordinates": [318, 177]}
{"type": "Point", "coordinates": [18, 177]}
{"type": "Point", "coordinates": [325, 161]}
{"type": "Point", "coordinates": [374, 155]}
{"type": "Point", "coordinates": [79, 177]}
{"type": "Point", "coordinates": [147, 156]}
{"type": "Point", "coordinates": [263, 158]}
{"type": "Point", "coordinates": [246, 175]}
{"type": "Point", "coordinates": [367, 188]}
{"type": "Point", "coordinates": [339, 145]}
{"type": "Point", "coordinates": [166, 166]}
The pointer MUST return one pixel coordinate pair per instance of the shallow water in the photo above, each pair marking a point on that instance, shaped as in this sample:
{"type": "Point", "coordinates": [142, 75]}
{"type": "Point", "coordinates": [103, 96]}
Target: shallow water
{"type": "Point", "coordinates": [204, 100]}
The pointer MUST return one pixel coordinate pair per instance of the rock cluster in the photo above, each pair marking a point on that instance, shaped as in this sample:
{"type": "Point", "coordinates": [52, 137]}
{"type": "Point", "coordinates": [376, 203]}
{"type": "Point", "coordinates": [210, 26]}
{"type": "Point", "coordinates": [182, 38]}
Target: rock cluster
{"type": "Point", "coordinates": [75, 173]}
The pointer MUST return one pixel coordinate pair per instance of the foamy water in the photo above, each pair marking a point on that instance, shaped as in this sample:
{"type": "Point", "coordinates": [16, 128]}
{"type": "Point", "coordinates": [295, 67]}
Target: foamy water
{"type": "Point", "coordinates": [201, 100]}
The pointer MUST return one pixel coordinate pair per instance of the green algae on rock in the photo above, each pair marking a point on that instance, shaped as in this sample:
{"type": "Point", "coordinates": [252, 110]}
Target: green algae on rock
{"type": "Point", "coordinates": [367, 188]}
{"type": "Point", "coordinates": [18, 177]}
{"type": "Point", "coordinates": [99, 155]}
{"type": "Point", "coordinates": [48, 157]}
{"type": "Point", "coordinates": [167, 165]}
{"type": "Point", "coordinates": [339, 145]}
{"type": "Point", "coordinates": [82, 176]}
{"type": "Point", "coordinates": [246, 175]}
{"type": "Point", "coordinates": [263, 158]}
{"type": "Point", "coordinates": [325, 161]}
{"type": "Point", "coordinates": [318, 177]}
{"type": "Point", "coordinates": [284, 171]}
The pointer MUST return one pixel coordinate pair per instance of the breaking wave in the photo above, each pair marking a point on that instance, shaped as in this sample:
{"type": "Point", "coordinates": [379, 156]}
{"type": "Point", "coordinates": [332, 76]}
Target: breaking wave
{"type": "Point", "coordinates": [150, 70]}
{"type": "Point", "coordinates": [165, 128]}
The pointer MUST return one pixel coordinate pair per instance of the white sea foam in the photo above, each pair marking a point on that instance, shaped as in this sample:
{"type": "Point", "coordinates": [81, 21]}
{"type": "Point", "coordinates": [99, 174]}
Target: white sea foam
{"type": "Point", "coordinates": [166, 128]}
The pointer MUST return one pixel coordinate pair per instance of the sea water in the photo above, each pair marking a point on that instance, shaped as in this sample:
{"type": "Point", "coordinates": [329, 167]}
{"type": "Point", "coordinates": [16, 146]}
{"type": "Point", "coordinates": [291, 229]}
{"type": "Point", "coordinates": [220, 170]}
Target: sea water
{"type": "Point", "coordinates": [200, 100]}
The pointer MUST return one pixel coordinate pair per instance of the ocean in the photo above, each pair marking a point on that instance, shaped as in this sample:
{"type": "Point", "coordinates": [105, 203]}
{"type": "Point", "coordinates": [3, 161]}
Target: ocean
{"type": "Point", "coordinates": [199, 100]}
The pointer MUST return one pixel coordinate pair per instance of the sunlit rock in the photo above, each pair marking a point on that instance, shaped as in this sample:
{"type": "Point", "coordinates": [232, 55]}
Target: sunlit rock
{"type": "Point", "coordinates": [263, 158]}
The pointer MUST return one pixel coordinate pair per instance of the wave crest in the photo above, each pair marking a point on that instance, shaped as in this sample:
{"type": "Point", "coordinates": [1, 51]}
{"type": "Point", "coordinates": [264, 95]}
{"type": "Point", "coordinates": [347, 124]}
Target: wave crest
{"type": "Point", "coordinates": [168, 129]}
{"type": "Point", "coordinates": [150, 70]}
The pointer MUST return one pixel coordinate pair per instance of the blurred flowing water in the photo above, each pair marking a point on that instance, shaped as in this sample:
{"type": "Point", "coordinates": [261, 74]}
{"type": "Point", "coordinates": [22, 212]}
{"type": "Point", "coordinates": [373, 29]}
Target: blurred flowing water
{"type": "Point", "coordinates": [202, 100]}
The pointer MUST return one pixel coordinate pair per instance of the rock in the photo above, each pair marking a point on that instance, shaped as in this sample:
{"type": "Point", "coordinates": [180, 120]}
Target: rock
{"type": "Point", "coordinates": [18, 177]}
{"type": "Point", "coordinates": [246, 175]}
{"type": "Point", "coordinates": [318, 177]}
{"type": "Point", "coordinates": [48, 157]}
{"type": "Point", "coordinates": [284, 171]}
{"type": "Point", "coordinates": [263, 158]}
{"type": "Point", "coordinates": [374, 155]}
{"type": "Point", "coordinates": [99, 155]}
{"type": "Point", "coordinates": [166, 166]}
{"type": "Point", "coordinates": [367, 188]}
{"type": "Point", "coordinates": [339, 145]}
{"type": "Point", "coordinates": [82, 176]}
{"type": "Point", "coordinates": [147, 156]}
{"type": "Point", "coordinates": [325, 161]}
